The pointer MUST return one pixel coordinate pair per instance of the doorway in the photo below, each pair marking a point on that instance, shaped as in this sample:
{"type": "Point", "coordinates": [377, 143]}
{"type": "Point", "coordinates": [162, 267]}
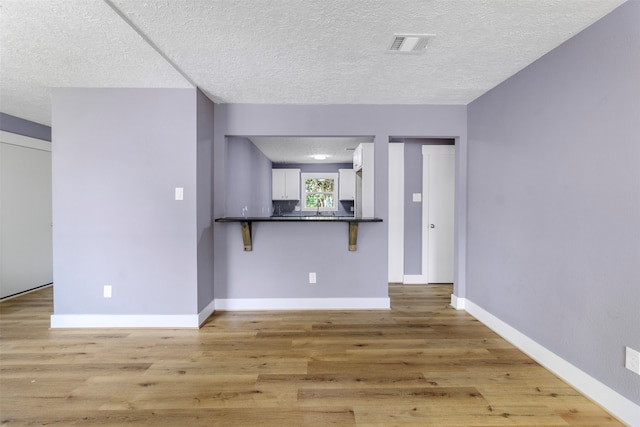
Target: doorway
{"type": "Point", "coordinates": [421, 210]}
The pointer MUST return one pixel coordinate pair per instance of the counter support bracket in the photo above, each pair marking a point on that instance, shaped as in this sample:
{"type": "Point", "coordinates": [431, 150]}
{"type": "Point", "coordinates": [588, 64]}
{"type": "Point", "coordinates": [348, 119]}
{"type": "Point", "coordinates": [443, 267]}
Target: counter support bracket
{"type": "Point", "coordinates": [247, 238]}
{"type": "Point", "coordinates": [353, 236]}
{"type": "Point", "coordinates": [245, 227]}
{"type": "Point", "coordinates": [247, 222]}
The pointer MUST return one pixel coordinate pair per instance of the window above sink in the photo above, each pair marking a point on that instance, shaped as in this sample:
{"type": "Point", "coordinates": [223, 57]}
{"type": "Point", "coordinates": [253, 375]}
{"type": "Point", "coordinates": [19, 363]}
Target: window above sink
{"type": "Point", "coordinates": [319, 192]}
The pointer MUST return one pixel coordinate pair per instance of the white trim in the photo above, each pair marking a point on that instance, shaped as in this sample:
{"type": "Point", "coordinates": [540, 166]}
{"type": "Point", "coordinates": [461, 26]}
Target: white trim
{"type": "Point", "coordinates": [396, 212]}
{"type": "Point", "coordinates": [424, 228]}
{"type": "Point", "coordinates": [415, 279]}
{"type": "Point", "coordinates": [124, 321]}
{"type": "Point", "coordinates": [206, 312]}
{"type": "Point", "coordinates": [24, 141]}
{"type": "Point", "coordinates": [303, 304]}
{"type": "Point", "coordinates": [616, 404]}
{"type": "Point", "coordinates": [458, 303]}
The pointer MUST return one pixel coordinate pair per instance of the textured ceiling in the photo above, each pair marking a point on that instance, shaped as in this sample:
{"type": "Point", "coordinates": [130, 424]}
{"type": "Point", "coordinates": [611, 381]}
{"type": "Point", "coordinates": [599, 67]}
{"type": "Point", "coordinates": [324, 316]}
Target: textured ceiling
{"type": "Point", "coordinates": [70, 43]}
{"type": "Point", "coordinates": [281, 51]}
{"type": "Point", "coordinates": [302, 149]}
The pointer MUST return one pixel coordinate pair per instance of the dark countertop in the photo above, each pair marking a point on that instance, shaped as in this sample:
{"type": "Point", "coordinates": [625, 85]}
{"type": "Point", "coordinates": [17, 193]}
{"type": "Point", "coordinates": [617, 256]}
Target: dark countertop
{"type": "Point", "coordinates": [308, 218]}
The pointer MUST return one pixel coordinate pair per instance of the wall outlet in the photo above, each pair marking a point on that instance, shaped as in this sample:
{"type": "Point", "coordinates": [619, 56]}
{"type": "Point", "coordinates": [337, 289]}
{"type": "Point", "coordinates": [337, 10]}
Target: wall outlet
{"type": "Point", "coordinates": [107, 291]}
{"type": "Point", "coordinates": [312, 277]}
{"type": "Point", "coordinates": [632, 360]}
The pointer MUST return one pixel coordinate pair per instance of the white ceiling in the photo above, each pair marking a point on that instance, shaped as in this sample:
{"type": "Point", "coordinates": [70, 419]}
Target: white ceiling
{"type": "Point", "coordinates": [281, 51]}
{"type": "Point", "coordinates": [302, 149]}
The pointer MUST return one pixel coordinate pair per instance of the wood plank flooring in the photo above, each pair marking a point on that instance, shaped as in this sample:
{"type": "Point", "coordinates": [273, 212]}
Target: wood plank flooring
{"type": "Point", "coordinates": [420, 364]}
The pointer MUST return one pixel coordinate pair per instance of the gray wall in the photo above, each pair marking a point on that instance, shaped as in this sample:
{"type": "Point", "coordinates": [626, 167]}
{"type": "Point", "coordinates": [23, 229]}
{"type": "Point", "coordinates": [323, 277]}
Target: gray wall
{"type": "Point", "coordinates": [248, 179]}
{"type": "Point", "coordinates": [412, 210]}
{"type": "Point", "coordinates": [118, 154]}
{"type": "Point", "coordinates": [205, 135]}
{"type": "Point", "coordinates": [554, 200]}
{"type": "Point", "coordinates": [24, 127]}
{"type": "Point", "coordinates": [284, 254]}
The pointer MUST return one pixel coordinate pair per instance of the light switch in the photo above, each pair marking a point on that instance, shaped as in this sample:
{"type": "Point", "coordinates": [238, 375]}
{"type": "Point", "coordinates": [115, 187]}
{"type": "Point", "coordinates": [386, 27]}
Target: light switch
{"type": "Point", "coordinates": [417, 197]}
{"type": "Point", "coordinates": [179, 193]}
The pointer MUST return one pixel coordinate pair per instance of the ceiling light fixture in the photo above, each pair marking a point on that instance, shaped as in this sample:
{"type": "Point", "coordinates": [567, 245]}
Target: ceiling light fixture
{"type": "Point", "coordinates": [410, 43]}
{"type": "Point", "coordinates": [320, 156]}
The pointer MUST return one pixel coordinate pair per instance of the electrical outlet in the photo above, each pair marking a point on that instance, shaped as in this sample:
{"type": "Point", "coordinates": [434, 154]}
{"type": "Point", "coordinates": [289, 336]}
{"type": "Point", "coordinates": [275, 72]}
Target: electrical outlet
{"type": "Point", "coordinates": [107, 291]}
{"type": "Point", "coordinates": [312, 277]}
{"type": "Point", "coordinates": [632, 360]}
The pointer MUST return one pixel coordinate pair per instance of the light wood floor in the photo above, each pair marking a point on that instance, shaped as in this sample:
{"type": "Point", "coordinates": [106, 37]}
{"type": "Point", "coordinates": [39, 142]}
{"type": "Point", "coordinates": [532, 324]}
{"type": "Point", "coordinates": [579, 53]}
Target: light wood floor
{"type": "Point", "coordinates": [421, 364]}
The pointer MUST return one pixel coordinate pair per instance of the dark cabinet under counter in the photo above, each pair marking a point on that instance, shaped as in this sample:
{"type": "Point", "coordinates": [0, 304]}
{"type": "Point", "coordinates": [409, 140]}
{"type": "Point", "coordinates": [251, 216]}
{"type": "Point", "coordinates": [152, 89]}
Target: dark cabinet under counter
{"type": "Point", "coordinates": [246, 225]}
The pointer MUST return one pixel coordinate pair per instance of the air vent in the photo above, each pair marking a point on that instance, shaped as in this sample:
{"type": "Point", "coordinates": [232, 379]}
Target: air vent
{"type": "Point", "coordinates": [410, 43]}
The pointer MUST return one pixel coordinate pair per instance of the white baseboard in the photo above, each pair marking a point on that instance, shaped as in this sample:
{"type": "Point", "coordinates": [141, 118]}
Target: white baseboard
{"type": "Point", "coordinates": [195, 321]}
{"type": "Point", "coordinates": [617, 405]}
{"type": "Point", "coordinates": [132, 321]}
{"type": "Point", "coordinates": [458, 303]}
{"type": "Point", "coordinates": [251, 304]}
{"type": "Point", "coordinates": [206, 312]}
{"type": "Point", "coordinates": [415, 279]}
{"type": "Point", "coordinates": [124, 321]}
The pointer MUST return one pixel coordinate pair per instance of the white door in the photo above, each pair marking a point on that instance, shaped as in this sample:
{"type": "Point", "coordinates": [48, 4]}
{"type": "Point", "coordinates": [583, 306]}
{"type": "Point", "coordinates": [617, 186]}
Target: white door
{"type": "Point", "coordinates": [438, 176]}
{"type": "Point", "coordinates": [26, 248]}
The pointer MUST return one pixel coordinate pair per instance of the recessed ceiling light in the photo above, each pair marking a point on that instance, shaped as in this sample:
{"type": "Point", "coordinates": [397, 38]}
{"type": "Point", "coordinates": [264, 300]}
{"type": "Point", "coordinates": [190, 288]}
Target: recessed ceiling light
{"type": "Point", "coordinates": [410, 43]}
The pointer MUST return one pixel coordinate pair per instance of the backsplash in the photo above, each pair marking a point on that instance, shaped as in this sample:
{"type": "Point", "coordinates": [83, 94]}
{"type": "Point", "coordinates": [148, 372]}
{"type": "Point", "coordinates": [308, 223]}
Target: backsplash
{"type": "Point", "coordinates": [288, 208]}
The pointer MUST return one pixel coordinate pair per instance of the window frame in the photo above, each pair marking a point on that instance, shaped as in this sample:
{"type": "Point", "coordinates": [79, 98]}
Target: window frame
{"type": "Point", "coordinates": [319, 175]}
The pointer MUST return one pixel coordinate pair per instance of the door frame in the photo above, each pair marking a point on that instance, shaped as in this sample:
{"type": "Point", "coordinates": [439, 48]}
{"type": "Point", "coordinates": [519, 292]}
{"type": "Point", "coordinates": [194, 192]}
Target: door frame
{"type": "Point", "coordinates": [396, 217]}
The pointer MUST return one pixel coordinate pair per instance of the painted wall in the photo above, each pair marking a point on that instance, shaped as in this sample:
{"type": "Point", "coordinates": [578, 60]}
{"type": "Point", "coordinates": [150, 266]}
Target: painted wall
{"type": "Point", "coordinates": [554, 200]}
{"type": "Point", "coordinates": [284, 254]}
{"type": "Point", "coordinates": [204, 191]}
{"type": "Point", "coordinates": [248, 179]}
{"type": "Point", "coordinates": [412, 210]}
{"type": "Point", "coordinates": [24, 127]}
{"type": "Point", "coordinates": [118, 155]}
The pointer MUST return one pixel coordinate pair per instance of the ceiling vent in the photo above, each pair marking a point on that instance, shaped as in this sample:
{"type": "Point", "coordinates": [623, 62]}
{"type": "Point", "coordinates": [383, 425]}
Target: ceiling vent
{"type": "Point", "coordinates": [410, 43]}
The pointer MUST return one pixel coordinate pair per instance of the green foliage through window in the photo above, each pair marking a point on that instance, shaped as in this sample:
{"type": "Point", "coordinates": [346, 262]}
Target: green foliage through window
{"type": "Point", "coordinates": [320, 193]}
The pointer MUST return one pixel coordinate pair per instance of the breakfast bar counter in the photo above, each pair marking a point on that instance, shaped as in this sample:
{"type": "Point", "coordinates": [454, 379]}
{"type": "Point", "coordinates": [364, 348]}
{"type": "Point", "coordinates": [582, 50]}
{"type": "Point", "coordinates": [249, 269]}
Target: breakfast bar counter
{"type": "Point", "coordinates": [246, 224]}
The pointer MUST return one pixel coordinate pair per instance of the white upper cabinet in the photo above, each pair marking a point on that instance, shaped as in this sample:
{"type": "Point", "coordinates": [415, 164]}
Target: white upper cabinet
{"type": "Point", "coordinates": [363, 164]}
{"type": "Point", "coordinates": [357, 158]}
{"type": "Point", "coordinates": [347, 184]}
{"type": "Point", "coordinates": [285, 184]}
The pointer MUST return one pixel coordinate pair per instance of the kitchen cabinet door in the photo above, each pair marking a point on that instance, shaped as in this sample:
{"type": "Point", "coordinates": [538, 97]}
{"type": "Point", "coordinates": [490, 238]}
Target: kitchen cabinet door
{"type": "Point", "coordinates": [285, 184]}
{"type": "Point", "coordinates": [347, 184]}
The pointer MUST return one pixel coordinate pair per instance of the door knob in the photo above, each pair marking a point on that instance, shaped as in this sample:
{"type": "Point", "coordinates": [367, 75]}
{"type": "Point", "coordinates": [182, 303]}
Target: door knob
{"type": "Point", "coordinates": [432, 226]}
